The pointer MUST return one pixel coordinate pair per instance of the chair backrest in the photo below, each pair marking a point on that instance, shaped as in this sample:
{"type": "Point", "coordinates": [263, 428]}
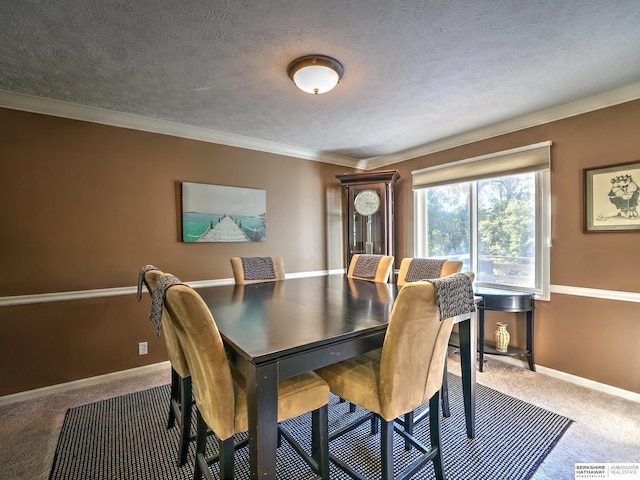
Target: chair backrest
{"type": "Point", "coordinates": [375, 268]}
{"type": "Point", "coordinates": [257, 269]}
{"type": "Point", "coordinates": [414, 350]}
{"type": "Point", "coordinates": [174, 349]}
{"type": "Point", "coordinates": [213, 386]}
{"type": "Point", "coordinates": [447, 267]}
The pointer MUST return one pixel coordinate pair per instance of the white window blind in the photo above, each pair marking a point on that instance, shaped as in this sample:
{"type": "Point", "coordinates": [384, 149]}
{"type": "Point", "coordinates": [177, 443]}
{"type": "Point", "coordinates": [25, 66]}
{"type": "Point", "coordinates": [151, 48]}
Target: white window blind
{"type": "Point", "coordinates": [530, 158]}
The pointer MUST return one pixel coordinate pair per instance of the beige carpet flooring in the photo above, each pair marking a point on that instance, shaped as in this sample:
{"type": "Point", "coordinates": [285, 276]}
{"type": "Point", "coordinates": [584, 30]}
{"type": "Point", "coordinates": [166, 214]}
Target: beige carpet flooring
{"type": "Point", "coordinates": [606, 428]}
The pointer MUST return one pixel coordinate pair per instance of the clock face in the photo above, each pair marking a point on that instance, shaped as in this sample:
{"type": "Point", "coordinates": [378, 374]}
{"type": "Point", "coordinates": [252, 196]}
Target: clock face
{"type": "Point", "coordinates": [367, 202]}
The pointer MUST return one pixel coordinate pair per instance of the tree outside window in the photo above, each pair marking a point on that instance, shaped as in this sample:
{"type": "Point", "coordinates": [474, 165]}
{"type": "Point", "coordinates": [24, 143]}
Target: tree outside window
{"type": "Point", "coordinates": [489, 224]}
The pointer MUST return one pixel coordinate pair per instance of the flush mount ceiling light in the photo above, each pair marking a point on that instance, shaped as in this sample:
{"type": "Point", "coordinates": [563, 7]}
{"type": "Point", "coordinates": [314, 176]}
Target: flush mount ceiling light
{"type": "Point", "coordinates": [315, 73]}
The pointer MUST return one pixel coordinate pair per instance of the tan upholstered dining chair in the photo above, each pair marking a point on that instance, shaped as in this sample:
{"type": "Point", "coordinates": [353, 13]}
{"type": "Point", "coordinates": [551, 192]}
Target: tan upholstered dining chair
{"type": "Point", "coordinates": [220, 397]}
{"type": "Point", "coordinates": [404, 374]}
{"type": "Point", "coordinates": [181, 398]}
{"type": "Point", "coordinates": [248, 270]}
{"type": "Point", "coordinates": [414, 269]}
{"type": "Point", "coordinates": [374, 268]}
{"type": "Point", "coordinates": [411, 270]}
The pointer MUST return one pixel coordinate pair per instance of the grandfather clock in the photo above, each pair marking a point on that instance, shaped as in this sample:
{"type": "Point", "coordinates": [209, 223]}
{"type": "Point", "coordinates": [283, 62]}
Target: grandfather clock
{"type": "Point", "coordinates": [368, 200]}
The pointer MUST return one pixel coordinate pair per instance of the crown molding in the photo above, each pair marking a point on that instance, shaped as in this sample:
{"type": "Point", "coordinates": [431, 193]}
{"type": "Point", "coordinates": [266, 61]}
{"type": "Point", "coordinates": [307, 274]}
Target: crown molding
{"type": "Point", "coordinates": [74, 111]}
{"type": "Point", "coordinates": [570, 109]}
{"type": "Point", "coordinates": [30, 103]}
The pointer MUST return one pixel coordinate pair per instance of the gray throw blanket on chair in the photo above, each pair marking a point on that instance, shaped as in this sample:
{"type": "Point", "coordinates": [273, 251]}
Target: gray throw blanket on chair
{"type": "Point", "coordinates": [143, 270]}
{"type": "Point", "coordinates": [454, 295]}
{"type": "Point", "coordinates": [366, 266]}
{"type": "Point", "coordinates": [157, 299]}
{"type": "Point", "coordinates": [421, 268]}
{"type": "Point", "coordinates": [258, 268]}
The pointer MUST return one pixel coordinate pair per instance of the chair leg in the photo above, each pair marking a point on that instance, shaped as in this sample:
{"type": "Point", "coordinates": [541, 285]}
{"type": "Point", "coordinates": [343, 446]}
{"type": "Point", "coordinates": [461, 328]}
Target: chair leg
{"type": "Point", "coordinates": [374, 425]}
{"type": "Point", "coordinates": [226, 459]}
{"type": "Point", "coordinates": [174, 397]}
{"type": "Point", "coordinates": [320, 440]}
{"type": "Point", "coordinates": [446, 411]}
{"type": "Point", "coordinates": [352, 406]}
{"type": "Point", "coordinates": [408, 427]}
{"type": "Point", "coordinates": [386, 449]}
{"type": "Point", "coordinates": [436, 438]}
{"type": "Point", "coordinates": [186, 407]}
{"type": "Point", "coordinates": [201, 446]}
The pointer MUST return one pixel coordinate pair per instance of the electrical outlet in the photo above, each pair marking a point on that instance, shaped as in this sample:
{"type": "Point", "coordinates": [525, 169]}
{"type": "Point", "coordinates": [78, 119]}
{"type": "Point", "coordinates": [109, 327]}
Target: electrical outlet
{"type": "Point", "coordinates": [142, 348]}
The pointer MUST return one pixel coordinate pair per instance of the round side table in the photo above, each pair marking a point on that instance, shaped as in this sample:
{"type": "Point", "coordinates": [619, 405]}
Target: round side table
{"type": "Point", "coordinates": [505, 301]}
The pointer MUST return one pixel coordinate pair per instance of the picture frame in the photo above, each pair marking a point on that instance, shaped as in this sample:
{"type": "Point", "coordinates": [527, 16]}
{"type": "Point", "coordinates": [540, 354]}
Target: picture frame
{"type": "Point", "coordinates": [612, 198]}
{"type": "Point", "coordinates": [218, 213]}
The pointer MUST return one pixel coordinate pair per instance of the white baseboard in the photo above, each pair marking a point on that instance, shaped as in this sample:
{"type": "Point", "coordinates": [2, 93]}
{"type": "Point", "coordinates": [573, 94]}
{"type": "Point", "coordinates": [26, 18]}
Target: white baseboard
{"type": "Point", "coordinates": [28, 299]}
{"type": "Point", "coordinates": [85, 382]}
{"type": "Point", "coordinates": [583, 382]}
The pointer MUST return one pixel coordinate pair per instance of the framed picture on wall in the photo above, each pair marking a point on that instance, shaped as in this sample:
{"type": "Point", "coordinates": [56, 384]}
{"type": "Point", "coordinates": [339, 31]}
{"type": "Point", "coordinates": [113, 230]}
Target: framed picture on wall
{"type": "Point", "coordinates": [216, 213]}
{"type": "Point", "coordinates": [611, 198]}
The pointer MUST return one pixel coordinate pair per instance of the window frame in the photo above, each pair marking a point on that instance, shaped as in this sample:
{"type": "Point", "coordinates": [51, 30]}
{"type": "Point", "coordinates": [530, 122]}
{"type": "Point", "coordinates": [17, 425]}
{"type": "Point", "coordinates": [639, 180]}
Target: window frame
{"type": "Point", "coordinates": [541, 287]}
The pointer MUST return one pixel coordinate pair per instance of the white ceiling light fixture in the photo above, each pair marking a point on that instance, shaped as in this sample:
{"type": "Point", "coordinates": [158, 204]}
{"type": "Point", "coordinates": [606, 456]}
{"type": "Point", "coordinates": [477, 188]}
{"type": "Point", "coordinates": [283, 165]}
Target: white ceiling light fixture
{"type": "Point", "coordinates": [315, 73]}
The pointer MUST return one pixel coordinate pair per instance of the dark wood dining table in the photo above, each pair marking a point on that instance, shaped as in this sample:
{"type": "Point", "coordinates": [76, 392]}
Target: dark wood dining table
{"type": "Point", "coordinates": [276, 330]}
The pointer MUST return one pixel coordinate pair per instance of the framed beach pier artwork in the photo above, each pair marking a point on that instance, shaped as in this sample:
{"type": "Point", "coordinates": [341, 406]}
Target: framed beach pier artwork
{"type": "Point", "coordinates": [611, 198]}
{"type": "Point", "coordinates": [217, 213]}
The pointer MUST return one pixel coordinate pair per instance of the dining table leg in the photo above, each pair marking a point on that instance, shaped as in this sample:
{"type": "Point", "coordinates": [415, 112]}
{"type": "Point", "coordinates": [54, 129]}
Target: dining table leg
{"type": "Point", "coordinates": [468, 347]}
{"type": "Point", "coordinates": [262, 411]}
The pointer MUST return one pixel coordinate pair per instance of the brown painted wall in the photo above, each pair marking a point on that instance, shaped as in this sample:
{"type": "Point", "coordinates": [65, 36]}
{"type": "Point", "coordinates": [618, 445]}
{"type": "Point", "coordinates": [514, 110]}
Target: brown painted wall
{"type": "Point", "coordinates": [84, 206]}
{"type": "Point", "coordinates": [588, 337]}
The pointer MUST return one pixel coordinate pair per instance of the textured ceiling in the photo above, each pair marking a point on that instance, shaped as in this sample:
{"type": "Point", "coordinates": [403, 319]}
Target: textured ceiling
{"type": "Point", "coordinates": [416, 71]}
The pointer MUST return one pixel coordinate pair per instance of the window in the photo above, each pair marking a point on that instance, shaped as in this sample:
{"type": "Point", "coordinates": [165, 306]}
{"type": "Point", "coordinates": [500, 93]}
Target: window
{"type": "Point", "coordinates": [491, 212]}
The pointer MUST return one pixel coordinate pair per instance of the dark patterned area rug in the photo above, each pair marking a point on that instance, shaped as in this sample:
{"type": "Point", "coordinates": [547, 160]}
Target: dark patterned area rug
{"type": "Point", "coordinates": [125, 438]}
